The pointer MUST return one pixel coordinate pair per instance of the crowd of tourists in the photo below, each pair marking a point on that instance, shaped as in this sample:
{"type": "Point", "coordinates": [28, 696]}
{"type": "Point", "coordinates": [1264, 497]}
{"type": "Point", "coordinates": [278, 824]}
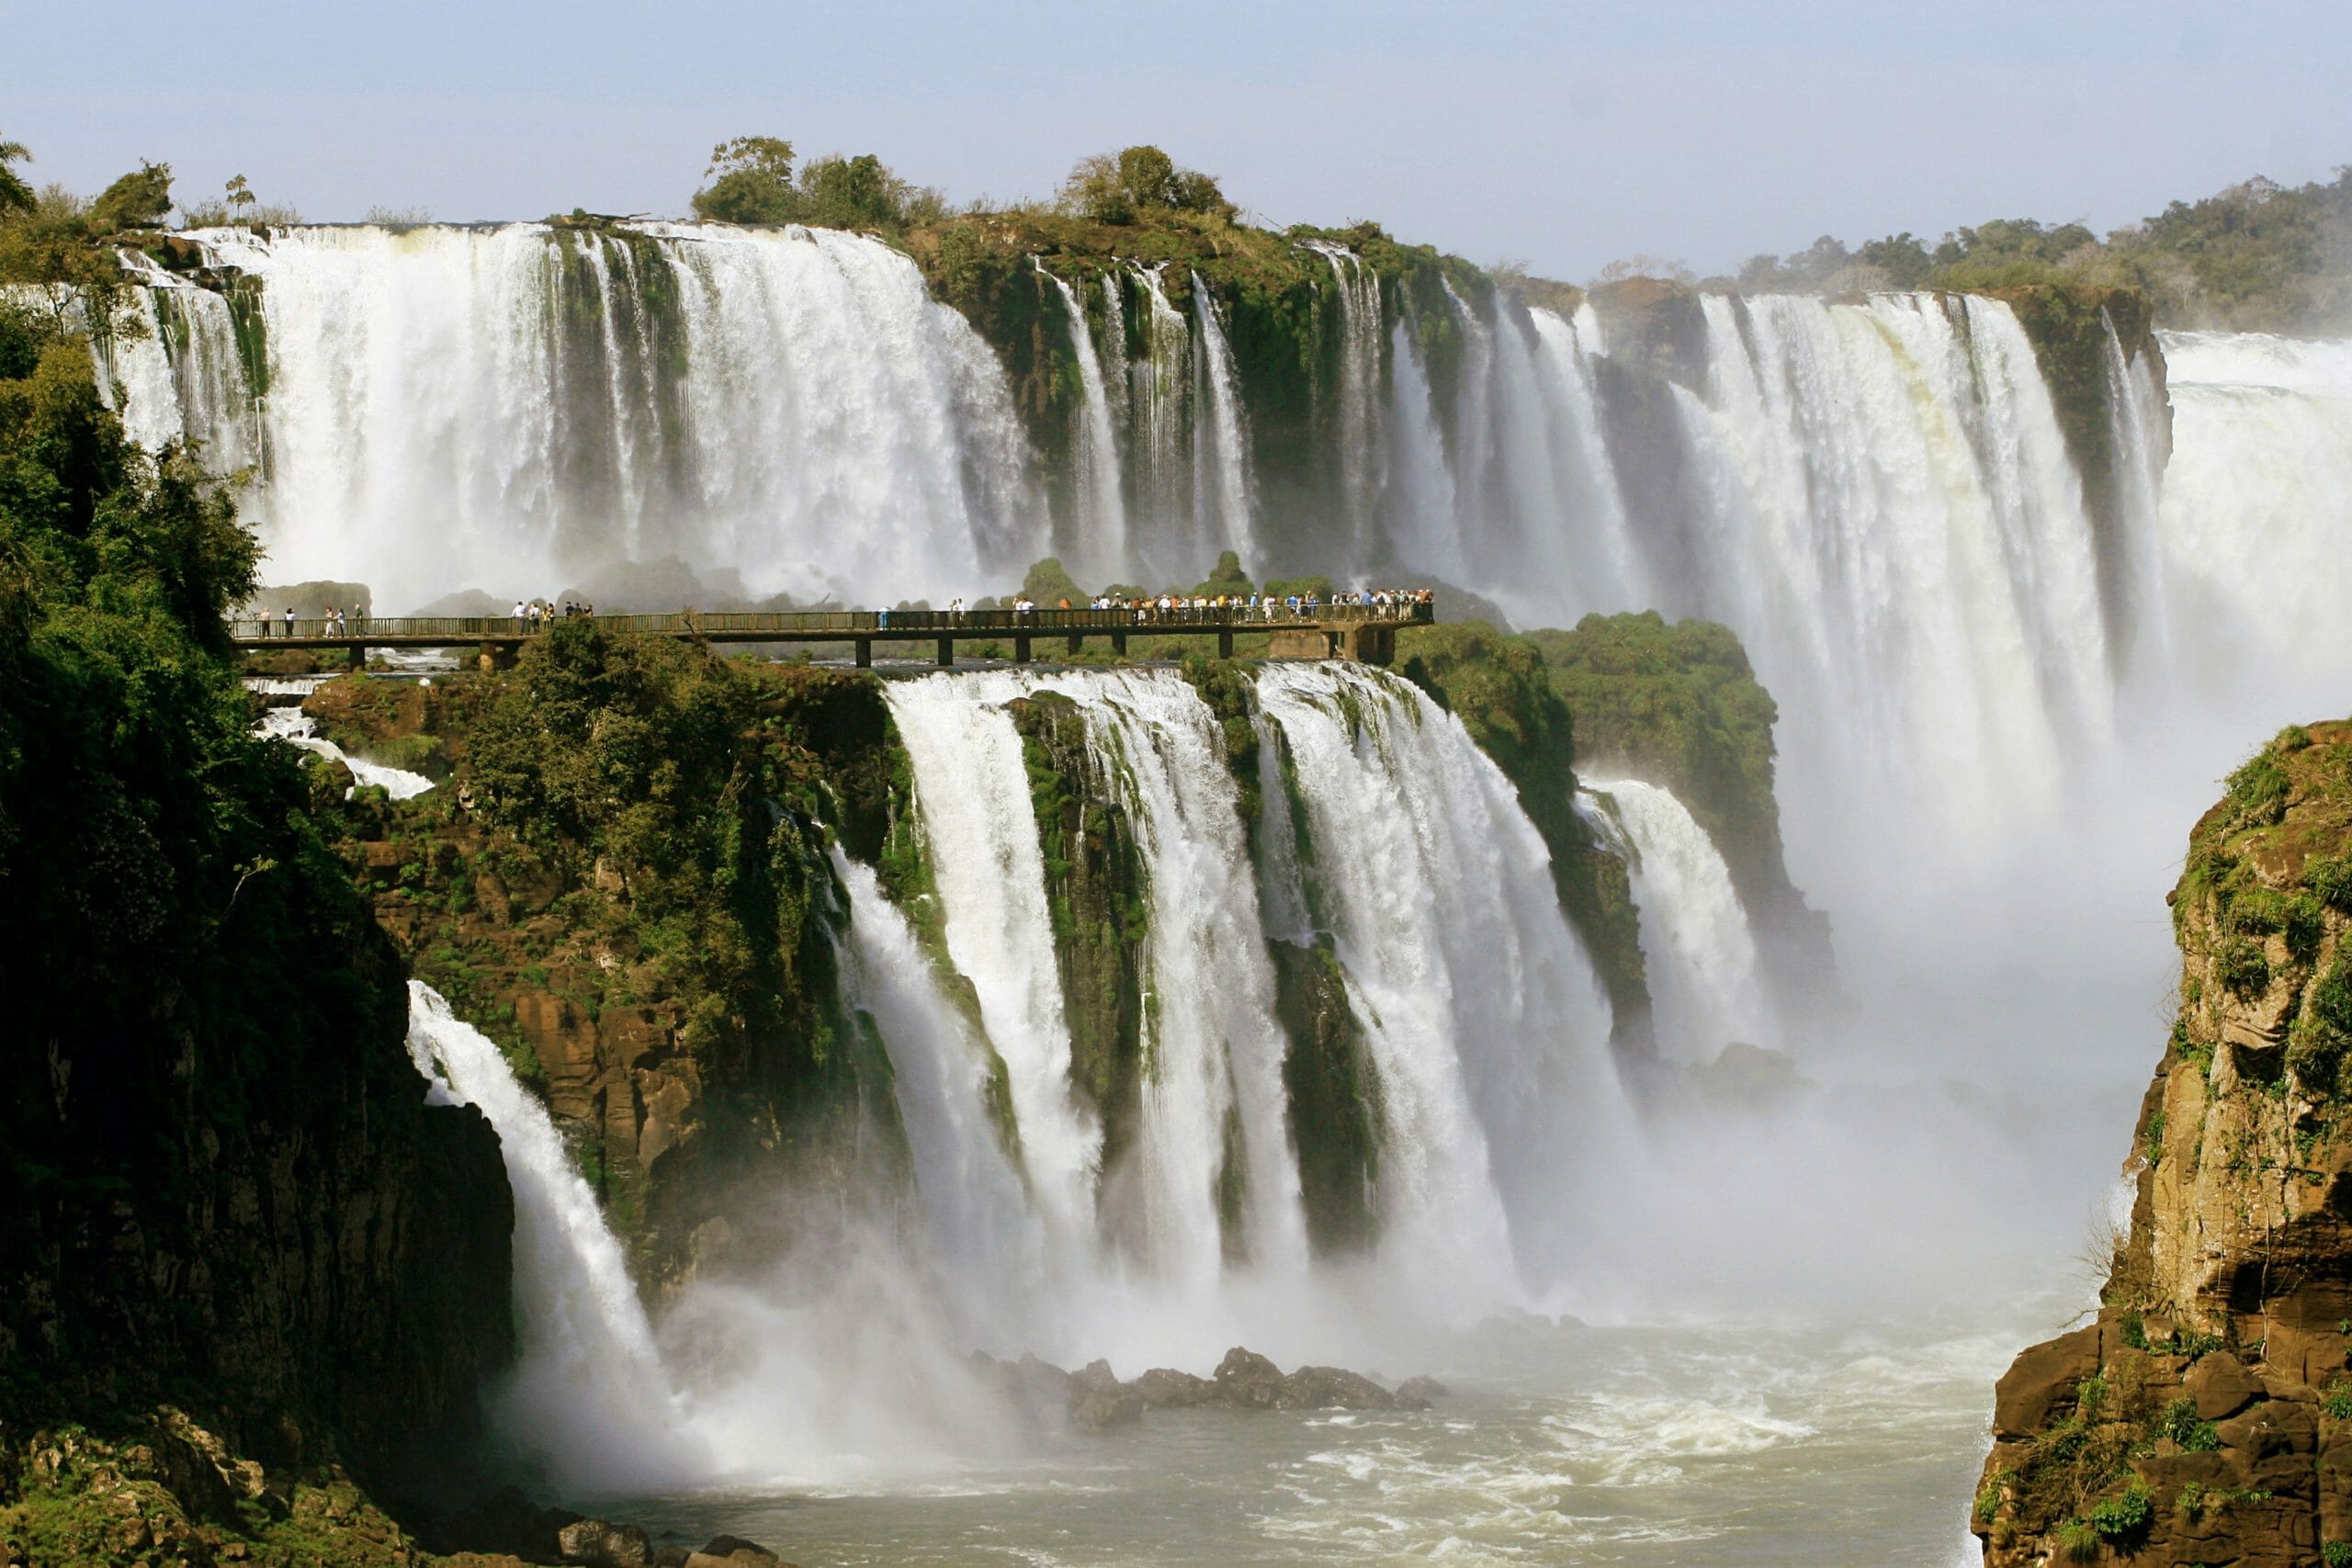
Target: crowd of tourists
{"type": "Point", "coordinates": [537, 615]}
{"type": "Point", "coordinates": [333, 622]}
{"type": "Point", "coordinates": [1381, 604]}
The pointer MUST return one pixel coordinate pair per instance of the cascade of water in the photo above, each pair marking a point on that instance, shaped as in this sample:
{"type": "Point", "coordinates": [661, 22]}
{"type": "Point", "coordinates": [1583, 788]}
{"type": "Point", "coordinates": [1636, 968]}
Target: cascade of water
{"type": "Point", "coordinates": [1221, 488]}
{"type": "Point", "coordinates": [1586, 507]}
{"type": "Point", "coordinates": [1099, 543]}
{"type": "Point", "coordinates": [1590, 332]}
{"type": "Point", "coordinates": [1358, 291]}
{"type": "Point", "coordinates": [1210, 1036]}
{"type": "Point", "coordinates": [1161, 384]}
{"type": "Point", "coordinates": [588, 1392]}
{"type": "Point", "coordinates": [2256, 505]}
{"type": "Point", "coordinates": [1705, 984]}
{"type": "Point", "coordinates": [1913, 571]}
{"type": "Point", "coordinates": [292, 724]}
{"type": "Point", "coordinates": [2136, 436]}
{"type": "Point", "coordinates": [1481, 1014]}
{"type": "Point", "coordinates": [789, 405]}
{"type": "Point", "coordinates": [1116, 386]}
{"type": "Point", "coordinates": [1481, 520]}
{"type": "Point", "coordinates": [974, 1207]}
{"type": "Point", "coordinates": [1423, 527]}
{"type": "Point", "coordinates": [980, 830]}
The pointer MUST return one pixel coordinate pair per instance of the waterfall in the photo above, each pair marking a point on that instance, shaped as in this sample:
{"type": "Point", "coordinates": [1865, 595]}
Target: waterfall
{"type": "Point", "coordinates": [974, 1207]}
{"type": "Point", "coordinates": [1587, 507]}
{"type": "Point", "coordinates": [588, 1392]}
{"type": "Point", "coordinates": [2256, 507]}
{"type": "Point", "coordinates": [1909, 558]}
{"type": "Point", "coordinates": [1422, 525]}
{"type": "Point", "coordinates": [1099, 543]}
{"type": "Point", "coordinates": [1161, 384]}
{"type": "Point", "coordinates": [980, 830]}
{"type": "Point", "coordinates": [1221, 446]}
{"type": "Point", "coordinates": [290, 722]}
{"type": "Point", "coordinates": [1484, 1020]}
{"type": "Point", "coordinates": [1705, 984]}
{"type": "Point", "coordinates": [498, 408]}
{"type": "Point", "coordinates": [2137, 442]}
{"type": "Point", "coordinates": [1358, 291]}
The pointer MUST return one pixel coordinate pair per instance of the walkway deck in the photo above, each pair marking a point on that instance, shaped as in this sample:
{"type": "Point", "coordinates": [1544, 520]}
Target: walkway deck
{"type": "Point", "coordinates": [1338, 631]}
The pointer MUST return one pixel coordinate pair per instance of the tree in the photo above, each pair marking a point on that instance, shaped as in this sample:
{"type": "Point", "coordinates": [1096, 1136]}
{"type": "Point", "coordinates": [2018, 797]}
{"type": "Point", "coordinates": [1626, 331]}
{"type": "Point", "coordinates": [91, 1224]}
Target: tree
{"type": "Point", "coordinates": [15, 196]}
{"type": "Point", "coordinates": [750, 181]}
{"type": "Point", "coordinates": [850, 193]}
{"type": "Point", "coordinates": [241, 194]}
{"type": "Point", "coordinates": [1114, 188]}
{"type": "Point", "coordinates": [137, 201]}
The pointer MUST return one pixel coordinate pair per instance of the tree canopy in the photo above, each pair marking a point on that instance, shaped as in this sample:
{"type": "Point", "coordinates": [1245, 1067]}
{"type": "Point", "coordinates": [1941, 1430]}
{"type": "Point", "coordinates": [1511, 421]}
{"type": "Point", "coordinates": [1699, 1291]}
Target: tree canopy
{"type": "Point", "coordinates": [1115, 188]}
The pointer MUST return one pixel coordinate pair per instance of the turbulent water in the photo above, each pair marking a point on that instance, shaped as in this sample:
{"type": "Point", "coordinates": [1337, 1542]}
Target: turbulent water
{"type": "Point", "coordinates": [290, 722]}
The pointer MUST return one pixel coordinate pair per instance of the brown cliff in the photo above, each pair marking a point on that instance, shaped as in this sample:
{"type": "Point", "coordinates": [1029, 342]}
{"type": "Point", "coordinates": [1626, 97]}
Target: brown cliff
{"type": "Point", "coordinates": [2206, 1416]}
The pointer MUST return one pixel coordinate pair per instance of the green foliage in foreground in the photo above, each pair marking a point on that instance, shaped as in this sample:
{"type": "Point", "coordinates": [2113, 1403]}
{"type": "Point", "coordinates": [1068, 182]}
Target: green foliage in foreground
{"type": "Point", "coordinates": [184, 960]}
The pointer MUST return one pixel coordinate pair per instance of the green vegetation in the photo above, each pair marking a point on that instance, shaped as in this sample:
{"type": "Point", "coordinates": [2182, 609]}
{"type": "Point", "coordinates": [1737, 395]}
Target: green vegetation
{"type": "Point", "coordinates": [2187, 1430]}
{"type": "Point", "coordinates": [751, 181]}
{"type": "Point", "coordinates": [2336, 1554]}
{"type": "Point", "coordinates": [15, 196]}
{"type": "Point", "coordinates": [201, 1005]}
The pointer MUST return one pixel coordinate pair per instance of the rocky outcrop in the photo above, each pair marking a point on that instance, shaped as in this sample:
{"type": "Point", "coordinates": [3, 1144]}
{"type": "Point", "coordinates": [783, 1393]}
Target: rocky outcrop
{"type": "Point", "coordinates": [655, 954]}
{"type": "Point", "coordinates": [1093, 1399]}
{"type": "Point", "coordinates": [1677, 703]}
{"type": "Point", "coordinates": [2206, 1416]}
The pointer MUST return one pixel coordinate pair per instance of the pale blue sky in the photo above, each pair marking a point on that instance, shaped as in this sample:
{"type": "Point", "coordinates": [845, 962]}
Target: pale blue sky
{"type": "Point", "coordinates": [1562, 135]}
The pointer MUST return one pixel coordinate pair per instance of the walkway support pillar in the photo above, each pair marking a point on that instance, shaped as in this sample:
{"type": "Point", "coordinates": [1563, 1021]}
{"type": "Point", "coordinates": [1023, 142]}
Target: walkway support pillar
{"type": "Point", "coordinates": [948, 653]}
{"type": "Point", "coordinates": [1225, 642]}
{"type": "Point", "coordinates": [1076, 642]}
{"type": "Point", "coordinates": [866, 653]}
{"type": "Point", "coordinates": [1021, 651]}
{"type": "Point", "coordinates": [1119, 643]}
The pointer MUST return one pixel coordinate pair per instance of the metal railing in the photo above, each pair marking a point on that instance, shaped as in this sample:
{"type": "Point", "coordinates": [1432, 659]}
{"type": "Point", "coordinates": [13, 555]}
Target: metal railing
{"type": "Point", "coordinates": [789, 625]}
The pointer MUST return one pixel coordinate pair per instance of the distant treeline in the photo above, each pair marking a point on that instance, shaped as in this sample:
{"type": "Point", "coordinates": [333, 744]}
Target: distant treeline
{"type": "Point", "coordinates": [2256, 257]}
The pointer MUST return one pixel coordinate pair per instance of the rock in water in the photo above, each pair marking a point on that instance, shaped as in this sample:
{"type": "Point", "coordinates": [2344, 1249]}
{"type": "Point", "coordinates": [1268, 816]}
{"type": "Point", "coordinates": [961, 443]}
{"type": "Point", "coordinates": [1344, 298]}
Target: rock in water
{"type": "Point", "coordinates": [1247, 1380]}
{"type": "Point", "coordinates": [1419, 1394]}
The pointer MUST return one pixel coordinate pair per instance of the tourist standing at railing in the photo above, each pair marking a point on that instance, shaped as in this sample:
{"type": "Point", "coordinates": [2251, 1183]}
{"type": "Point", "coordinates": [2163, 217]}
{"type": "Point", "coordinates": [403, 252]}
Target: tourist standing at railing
{"type": "Point", "coordinates": [289, 620]}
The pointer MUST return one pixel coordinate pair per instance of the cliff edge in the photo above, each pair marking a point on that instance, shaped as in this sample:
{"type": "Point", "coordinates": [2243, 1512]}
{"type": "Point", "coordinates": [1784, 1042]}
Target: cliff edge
{"type": "Point", "coordinates": [2206, 1416]}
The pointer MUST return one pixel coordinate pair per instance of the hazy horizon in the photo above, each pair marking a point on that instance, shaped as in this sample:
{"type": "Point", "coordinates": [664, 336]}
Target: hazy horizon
{"type": "Point", "coordinates": [1700, 132]}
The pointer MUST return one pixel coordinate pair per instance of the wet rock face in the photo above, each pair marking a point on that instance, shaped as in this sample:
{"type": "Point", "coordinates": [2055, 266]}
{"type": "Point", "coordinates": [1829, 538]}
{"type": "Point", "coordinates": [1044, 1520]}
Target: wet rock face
{"type": "Point", "coordinates": [2206, 1415]}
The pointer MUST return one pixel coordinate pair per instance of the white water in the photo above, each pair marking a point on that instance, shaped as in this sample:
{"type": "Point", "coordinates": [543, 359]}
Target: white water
{"type": "Point", "coordinates": [980, 835]}
{"type": "Point", "coordinates": [289, 723]}
{"type": "Point", "coordinates": [2257, 510]}
{"type": "Point", "coordinates": [974, 1207]}
{"type": "Point", "coordinates": [1360, 455]}
{"type": "Point", "coordinates": [1160, 387]}
{"type": "Point", "coordinates": [1480, 1009]}
{"type": "Point", "coordinates": [587, 1396]}
{"type": "Point", "coordinates": [508, 408]}
{"type": "Point", "coordinates": [1101, 539]}
{"type": "Point", "coordinates": [1706, 985]}
{"type": "Point", "coordinates": [1221, 447]}
{"type": "Point", "coordinates": [1915, 571]}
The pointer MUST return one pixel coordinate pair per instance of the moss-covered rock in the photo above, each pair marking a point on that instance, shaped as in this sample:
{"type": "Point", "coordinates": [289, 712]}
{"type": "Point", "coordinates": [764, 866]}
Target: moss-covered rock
{"type": "Point", "coordinates": [625, 883]}
{"type": "Point", "coordinates": [1335, 1111]}
{"type": "Point", "coordinates": [1677, 705]}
